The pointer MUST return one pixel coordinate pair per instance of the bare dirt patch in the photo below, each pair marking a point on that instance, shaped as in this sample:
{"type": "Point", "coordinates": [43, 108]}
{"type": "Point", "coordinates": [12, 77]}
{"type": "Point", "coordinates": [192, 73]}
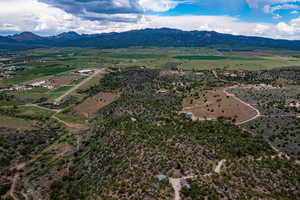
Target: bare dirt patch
{"type": "Point", "coordinates": [172, 72]}
{"type": "Point", "coordinates": [216, 103]}
{"type": "Point", "coordinates": [91, 105]}
{"type": "Point", "coordinates": [62, 80]}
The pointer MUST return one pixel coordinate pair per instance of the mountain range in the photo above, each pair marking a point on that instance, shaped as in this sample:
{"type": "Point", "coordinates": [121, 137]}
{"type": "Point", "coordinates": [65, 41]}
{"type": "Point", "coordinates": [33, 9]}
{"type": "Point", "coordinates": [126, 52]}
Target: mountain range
{"type": "Point", "coordinates": [163, 37]}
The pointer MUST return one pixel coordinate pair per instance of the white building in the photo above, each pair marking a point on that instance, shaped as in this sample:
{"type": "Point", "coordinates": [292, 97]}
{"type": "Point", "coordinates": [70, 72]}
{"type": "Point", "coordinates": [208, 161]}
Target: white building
{"type": "Point", "coordinates": [85, 71]}
{"type": "Point", "coordinates": [37, 84]}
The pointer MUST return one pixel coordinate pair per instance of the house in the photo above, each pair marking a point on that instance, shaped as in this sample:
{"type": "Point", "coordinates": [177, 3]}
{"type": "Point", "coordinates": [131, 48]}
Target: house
{"type": "Point", "coordinates": [189, 114]}
{"type": "Point", "coordinates": [184, 182]}
{"type": "Point", "coordinates": [161, 177]}
{"type": "Point", "coordinates": [85, 71]}
{"type": "Point", "coordinates": [206, 119]}
{"type": "Point", "coordinates": [37, 84]}
{"type": "Point", "coordinates": [133, 119]}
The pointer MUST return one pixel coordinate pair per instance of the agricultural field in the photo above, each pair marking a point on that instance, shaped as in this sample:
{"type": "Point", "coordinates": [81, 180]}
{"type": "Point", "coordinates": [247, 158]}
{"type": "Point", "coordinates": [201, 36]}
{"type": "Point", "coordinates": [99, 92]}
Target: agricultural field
{"type": "Point", "coordinates": [116, 124]}
{"type": "Point", "coordinates": [91, 105]}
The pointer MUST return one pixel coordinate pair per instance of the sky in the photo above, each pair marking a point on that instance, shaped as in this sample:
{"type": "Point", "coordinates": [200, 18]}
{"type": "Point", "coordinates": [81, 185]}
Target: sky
{"type": "Point", "coordinates": [278, 19]}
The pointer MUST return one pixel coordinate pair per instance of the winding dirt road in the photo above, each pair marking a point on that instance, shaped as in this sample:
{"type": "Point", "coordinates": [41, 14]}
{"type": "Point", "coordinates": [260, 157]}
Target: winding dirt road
{"type": "Point", "coordinates": [258, 114]}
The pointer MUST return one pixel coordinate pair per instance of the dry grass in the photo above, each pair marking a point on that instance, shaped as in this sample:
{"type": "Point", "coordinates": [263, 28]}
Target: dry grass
{"type": "Point", "coordinates": [62, 80]}
{"type": "Point", "coordinates": [172, 72]}
{"type": "Point", "coordinates": [90, 106]}
{"type": "Point", "coordinates": [216, 103]}
{"type": "Point", "coordinates": [15, 123]}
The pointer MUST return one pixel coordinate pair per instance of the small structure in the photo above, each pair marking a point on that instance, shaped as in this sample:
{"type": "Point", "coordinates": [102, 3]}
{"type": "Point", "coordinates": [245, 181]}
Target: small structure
{"type": "Point", "coordinates": [85, 71]}
{"type": "Point", "coordinates": [205, 119]}
{"type": "Point", "coordinates": [189, 114]}
{"type": "Point", "coordinates": [184, 182]}
{"type": "Point", "coordinates": [161, 177]}
{"type": "Point", "coordinates": [37, 84]}
{"type": "Point", "coordinates": [133, 119]}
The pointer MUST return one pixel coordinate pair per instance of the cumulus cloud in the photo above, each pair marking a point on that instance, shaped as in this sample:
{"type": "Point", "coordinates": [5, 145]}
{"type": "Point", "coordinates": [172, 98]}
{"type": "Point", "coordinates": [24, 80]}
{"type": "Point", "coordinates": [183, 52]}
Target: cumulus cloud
{"type": "Point", "coordinates": [47, 19]}
{"type": "Point", "coordinates": [44, 19]}
{"type": "Point", "coordinates": [94, 9]}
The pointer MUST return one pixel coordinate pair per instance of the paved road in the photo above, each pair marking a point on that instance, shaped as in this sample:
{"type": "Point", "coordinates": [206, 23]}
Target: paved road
{"type": "Point", "coordinates": [58, 100]}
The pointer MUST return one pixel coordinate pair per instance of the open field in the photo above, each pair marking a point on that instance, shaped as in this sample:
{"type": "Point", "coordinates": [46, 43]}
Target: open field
{"type": "Point", "coordinates": [15, 123]}
{"type": "Point", "coordinates": [90, 106]}
{"type": "Point", "coordinates": [216, 103]}
{"type": "Point", "coordinates": [35, 112]}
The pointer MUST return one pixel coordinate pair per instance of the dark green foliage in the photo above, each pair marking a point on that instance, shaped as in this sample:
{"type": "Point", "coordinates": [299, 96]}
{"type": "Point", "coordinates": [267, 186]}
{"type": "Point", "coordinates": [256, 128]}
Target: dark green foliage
{"type": "Point", "coordinates": [4, 186]}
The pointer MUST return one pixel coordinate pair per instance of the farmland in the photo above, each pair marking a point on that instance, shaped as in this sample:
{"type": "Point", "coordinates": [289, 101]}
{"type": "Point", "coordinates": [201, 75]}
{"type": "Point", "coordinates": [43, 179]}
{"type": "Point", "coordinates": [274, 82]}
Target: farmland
{"type": "Point", "coordinates": [90, 106]}
{"type": "Point", "coordinates": [104, 124]}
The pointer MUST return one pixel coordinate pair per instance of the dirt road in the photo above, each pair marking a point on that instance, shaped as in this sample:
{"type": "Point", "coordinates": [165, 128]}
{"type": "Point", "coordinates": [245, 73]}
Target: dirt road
{"type": "Point", "coordinates": [58, 100]}
{"type": "Point", "coordinates": [258, 114]}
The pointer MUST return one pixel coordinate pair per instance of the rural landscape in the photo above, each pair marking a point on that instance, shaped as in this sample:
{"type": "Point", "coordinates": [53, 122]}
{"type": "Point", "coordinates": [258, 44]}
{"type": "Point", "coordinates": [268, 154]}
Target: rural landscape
{"type": "Point", "coordinates": [149, 100]}
{"type": "Point", "coordinates": [149, 123]}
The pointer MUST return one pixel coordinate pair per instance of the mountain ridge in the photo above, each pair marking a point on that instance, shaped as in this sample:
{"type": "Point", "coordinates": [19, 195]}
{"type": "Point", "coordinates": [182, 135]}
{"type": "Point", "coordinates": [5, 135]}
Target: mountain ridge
{"type": "Point", "coordinates": [163, 37]}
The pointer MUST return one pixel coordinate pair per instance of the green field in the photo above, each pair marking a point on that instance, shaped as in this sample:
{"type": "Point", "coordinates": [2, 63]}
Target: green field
{"type": "Point", "coordinates": [15, 123]}
{"type": "Point", "coordinates": [34, 112]}
{"type": "Point", "coordinates": [200, 57]}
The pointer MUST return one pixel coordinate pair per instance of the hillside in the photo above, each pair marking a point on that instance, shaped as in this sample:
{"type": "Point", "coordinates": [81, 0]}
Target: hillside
{"type": "Point", "coordinates": [163, 37]}
{"type": "Point", "coordinates": [140, 147]}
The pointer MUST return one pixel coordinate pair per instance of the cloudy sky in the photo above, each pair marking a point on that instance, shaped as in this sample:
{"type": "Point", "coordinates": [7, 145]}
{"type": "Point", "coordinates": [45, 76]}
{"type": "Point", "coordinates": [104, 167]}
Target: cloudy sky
{"type": "Point", "coordinates": [268, 18]}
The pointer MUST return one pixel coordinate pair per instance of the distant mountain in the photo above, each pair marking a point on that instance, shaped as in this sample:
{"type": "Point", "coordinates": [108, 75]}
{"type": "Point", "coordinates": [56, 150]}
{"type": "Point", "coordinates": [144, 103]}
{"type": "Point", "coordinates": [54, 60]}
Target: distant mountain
{"type": "Point", "coordinates": [26, 36]}
{"type": "Point", "coordinates": [163, 37]}
{"type": "Point", "coordinates": [67, 36]}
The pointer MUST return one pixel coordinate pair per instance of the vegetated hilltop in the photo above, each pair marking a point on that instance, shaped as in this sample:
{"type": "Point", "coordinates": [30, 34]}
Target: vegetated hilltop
{"type": "Point", "coordinates": [163, 37]}
{"type": "Point", "coordinates": [141, 135]}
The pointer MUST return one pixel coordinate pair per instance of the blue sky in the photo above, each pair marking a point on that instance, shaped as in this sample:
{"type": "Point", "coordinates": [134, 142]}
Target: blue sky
{"type": "Point", "coordinates": [267, 18]}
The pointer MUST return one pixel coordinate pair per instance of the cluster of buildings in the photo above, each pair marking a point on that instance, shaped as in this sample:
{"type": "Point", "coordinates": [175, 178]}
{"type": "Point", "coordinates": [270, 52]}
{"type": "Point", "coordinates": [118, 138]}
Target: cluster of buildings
{"type": "Point", "coordinates": [30, 86]}
{"type": "Point", "coordinates": [9, 71]}
{"type": "Point", "coordinates": [44, 84]}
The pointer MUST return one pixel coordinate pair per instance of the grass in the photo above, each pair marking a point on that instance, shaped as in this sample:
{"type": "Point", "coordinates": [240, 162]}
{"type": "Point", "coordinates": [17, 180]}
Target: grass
{"type": "Point", "coordinates": [15, 123]}
{"type": "Point", "coordinates": [71, 118]}
{"type": "Point", "coordinates": [35, 111]}
{"type": "Point", "coordinates": [200, 57]}
{"type": "Point", "coordinates": [47, 70]}
{"type": "Point", "coordinates": [58, 92]}
{"type": "Point", "coordinates": [137, 56]}
{"type": "Point", "coordinates": [10, 103]}
{"type": "Point", "coordinates": [34, 94]}
{"type": "Point", "coordinates": [214, 58]}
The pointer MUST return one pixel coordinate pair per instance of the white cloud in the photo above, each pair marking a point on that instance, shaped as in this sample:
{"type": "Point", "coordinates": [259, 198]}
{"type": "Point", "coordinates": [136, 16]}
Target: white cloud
{"type": "Point", "coordinates": [158, 5]}
{"type": "Point", "coordinates": [277, 16]}
{"type": "Point", "coordinates": [294, 12]}
{"type": "Point", "coordinates": [47, 20]}
{"type": "Point", "coordinates": [269, 9]}
{"type": "Point", "coordinates": [285, 28]}
{"type": "Point", "coordinates": [41, 18]}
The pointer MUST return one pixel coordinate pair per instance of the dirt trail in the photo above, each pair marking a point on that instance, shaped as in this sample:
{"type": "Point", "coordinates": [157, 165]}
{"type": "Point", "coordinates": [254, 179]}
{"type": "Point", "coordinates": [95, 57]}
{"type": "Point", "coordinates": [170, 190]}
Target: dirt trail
{"type": "Point", "coordinates": [70, 125]}
{"type": "Point", "coordinates": [58, 100]}
{"type": "Point", "coordinates": [13, 186]}
{"type": "Point", "coordinates": [258, 114]}
{"type": "Point", "coordinates": [37, 106]}
{"type": "Point", "coordinates": [219, 166]}
{"type": "Point", "coordinates": [177, 185]}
